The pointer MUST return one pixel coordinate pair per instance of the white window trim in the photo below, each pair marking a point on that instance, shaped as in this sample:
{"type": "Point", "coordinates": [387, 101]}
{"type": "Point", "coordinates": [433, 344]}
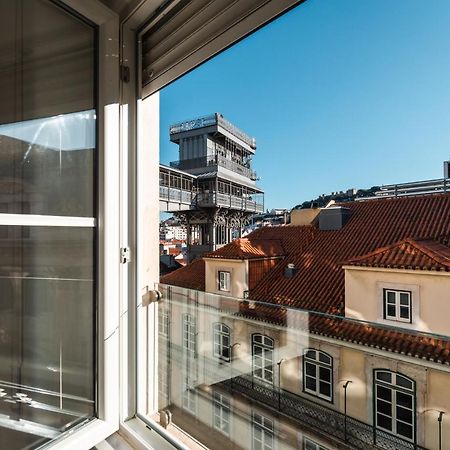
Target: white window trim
{"type": "Point", "coordinates": [108, 231]}
{"type": "Point", "coordinates": [227, 280]}
{"type": "Point", "coordinates": [263, 427]}
{"type": "Point", "coordinates": [395, 389]}
{"type": "Point", "coordinates": [309, 441]}
{"type": "Point", "coordinates": [218, 336]}
{"type": "Point", "coordinates": [414, 289]}
{"type": "Point", "coordinates": [264, 348]}
{"type": "Point", "coordinates": [397, 305]}
{"type": "Point", "coordinates": [317, 365]}
{"type": "Point", "coordinates": [222, 406]}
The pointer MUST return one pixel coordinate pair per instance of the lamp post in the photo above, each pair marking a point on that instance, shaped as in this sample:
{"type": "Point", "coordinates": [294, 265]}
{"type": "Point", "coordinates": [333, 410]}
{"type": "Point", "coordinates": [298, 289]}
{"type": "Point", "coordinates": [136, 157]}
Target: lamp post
{"type": "Point", "coordinates": [440, 417]}
{"type": "Point", "coordinates": [345, 386]}
{"type": "Point", "coordinates": [281, 361]}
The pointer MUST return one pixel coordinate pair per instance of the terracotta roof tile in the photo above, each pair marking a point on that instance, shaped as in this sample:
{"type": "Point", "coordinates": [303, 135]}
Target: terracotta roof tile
{"type": "Point", "coordinates": [191, 276]}
{"type": "Point", "coordinates": [249, 248]}
{"type": "Point", "coordinates": [318, 255]}
{"type": "Point", "coordinates": [406, 342]}
{"type": "Point", "coordinates": [408, 254]}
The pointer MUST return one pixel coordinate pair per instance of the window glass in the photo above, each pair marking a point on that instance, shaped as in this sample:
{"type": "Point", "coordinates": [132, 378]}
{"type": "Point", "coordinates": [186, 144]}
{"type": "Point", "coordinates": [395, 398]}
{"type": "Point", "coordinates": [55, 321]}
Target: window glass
{"type": "Point", "coordinates": [318, 374]}
{"type": "Point", "coordinates": [48, 289]}
{"type": "Point", "coordinates": [394, 404]}
{"type": "Point", "coordinates": [314, 151]}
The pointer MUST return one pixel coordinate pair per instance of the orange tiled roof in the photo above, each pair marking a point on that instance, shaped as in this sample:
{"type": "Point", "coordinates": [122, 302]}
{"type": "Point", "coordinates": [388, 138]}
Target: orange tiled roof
{"type": "Point", "coordinates": [191, 276]}
{"type": "Point", "coordinates": [408, 254]}
{"type": "Point", "coordinates": [410, 343]}
{"type": "Point", "coordinates": [248, 248]}
{"type": "Point", "coordinates": [318, 255]}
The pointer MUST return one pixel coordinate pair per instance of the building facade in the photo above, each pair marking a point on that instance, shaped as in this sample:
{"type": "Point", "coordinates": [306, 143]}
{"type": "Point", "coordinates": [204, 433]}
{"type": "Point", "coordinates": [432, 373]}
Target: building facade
{"type": "Point", "coordinates": [363, 367]}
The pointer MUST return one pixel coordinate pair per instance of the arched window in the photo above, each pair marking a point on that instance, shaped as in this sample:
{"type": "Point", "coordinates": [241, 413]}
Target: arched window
{"type": "Point", "coordinates": [221, 341]}
{"type": "Point", "coordinates": [394, 406]}
{"type": "Point", "coordinates": [318, 374]}
{"type": "Point", "coordinates": [262, 348]}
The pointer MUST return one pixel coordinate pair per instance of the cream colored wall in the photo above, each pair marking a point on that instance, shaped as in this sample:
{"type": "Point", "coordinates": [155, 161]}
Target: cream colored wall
{"type": "Point", "coordinates": [431, 296]}
{"type": "Point", "coordinates": [353, 368]}
{"type": "Point", "coordinates": [304, 216]}
{"type": "Point", "coordinates": [239, 277]}
{"type": "Point", "coordinates": [350, 362]}
{"type": "Point", "coordinates": [438, 399]}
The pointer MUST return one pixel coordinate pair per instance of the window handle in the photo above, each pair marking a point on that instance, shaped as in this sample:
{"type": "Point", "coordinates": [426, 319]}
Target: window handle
{"type": "Point", "coordinates": [151, 296]}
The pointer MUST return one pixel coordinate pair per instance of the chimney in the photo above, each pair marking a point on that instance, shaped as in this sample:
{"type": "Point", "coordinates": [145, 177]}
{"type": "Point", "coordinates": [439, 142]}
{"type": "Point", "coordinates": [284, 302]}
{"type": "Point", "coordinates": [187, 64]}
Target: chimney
{"type": "Point", "coordinates": [290, 271]}
{"type": "Point", "coordinates": [333, 218]}
{"type": "Point", "coordinates": [446, 169]}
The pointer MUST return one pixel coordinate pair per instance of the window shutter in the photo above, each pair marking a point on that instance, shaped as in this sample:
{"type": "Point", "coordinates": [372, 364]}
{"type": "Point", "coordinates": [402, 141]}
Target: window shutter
{"type": "Point", "coordinates": [188, 32]}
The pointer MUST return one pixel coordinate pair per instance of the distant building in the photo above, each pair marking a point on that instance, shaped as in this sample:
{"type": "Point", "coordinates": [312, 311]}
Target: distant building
{"type": "Point", "coordinates": [212, 188]}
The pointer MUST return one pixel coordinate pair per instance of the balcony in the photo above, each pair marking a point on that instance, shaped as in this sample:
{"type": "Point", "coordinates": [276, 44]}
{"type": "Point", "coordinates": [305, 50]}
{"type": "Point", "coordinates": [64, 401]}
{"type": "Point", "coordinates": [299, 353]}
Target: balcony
{"type": "Point", "coordinates": [212, 120]}
{"type": "Point", "coordinates": [214, 160]}
{"type": "Point", "coordinates": [217, 199]}
{"type": "Point", "coordinates": [210, 364]}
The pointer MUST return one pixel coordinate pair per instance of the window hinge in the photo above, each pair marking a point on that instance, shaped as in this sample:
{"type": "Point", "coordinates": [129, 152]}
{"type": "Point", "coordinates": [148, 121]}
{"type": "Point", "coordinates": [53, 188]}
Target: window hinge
{"type": "Point", "coordinates": [125, 255]}
{"type": "Point", "coordinates": [124, 73]}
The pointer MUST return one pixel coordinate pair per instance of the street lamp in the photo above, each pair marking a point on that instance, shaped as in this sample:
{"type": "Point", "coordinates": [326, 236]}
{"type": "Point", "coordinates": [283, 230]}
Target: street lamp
{"type": "Point", "coordinates": [440, 417]}
{"type": "Point", "coordinates": [281, 361]}
{"type": "Point", "coordinates": [345, 386]}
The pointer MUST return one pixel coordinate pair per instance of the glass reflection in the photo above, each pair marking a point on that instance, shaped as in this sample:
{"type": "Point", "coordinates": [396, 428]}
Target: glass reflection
{"type": "Point", "coordinates": [46, 332]}
{"type": "Point", "coordinates": [46, 165]}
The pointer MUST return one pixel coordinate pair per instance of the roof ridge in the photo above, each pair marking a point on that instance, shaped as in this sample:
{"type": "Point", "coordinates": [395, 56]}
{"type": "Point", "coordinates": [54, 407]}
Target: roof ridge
{"type": "Point", "coordinates": [431, 252]}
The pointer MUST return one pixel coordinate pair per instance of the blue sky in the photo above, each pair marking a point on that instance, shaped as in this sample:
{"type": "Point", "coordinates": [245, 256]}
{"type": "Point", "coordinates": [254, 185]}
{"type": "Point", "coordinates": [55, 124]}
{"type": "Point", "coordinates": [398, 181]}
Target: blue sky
{"type": "Point", "coordinates": [338, 93]}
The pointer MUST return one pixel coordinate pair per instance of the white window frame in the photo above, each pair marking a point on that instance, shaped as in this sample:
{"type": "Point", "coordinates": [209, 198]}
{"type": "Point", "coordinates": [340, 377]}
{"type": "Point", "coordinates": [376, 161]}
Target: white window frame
{"type": "Point", "coordinates": [108, 264]}
{"type": "Point", "coordinates": [224, 280]}
{"type": "Point", "coordinates": [221, 407]}
{"type": "Point", "coordinates": [397, 305]}
{"type": "Point", "coordinates": [312, 445]}
{"type": "Point", "coordinates": [221, 331]}
{"type": "Point", "coordinates": [188, 396]}
{"type": "Point", "coordinates": [189, 334]}
{"type": "Point", "coordinates": [318, 364]}
{"type": "Point", "coordinates": [264, 362]}
{"type": "Point", "coordinates": [395, 388]}
{"type": "Point", "coordinates": [266, 427]}
{"type": "Point", "coordinates": [107, 339]}
{"type": "Point", "coordinates": [163, 320]}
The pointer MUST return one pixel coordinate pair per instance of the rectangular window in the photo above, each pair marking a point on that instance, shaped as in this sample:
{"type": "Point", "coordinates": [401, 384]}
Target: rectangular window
{"type": "Point", "coordinates": [189, 399]}
{"type": "Point", "coordinates": [224, 281]}
{"type": "Point", "coordinates": [163, 321]}
{"type": "Point", "coordinates": [397, 305]}
{"type": "Point", "coordinates": [263, 358]}
{"type": "Point", "coordinates": [221, 413]}
{"type": "Point", "coordinates": [309, 444]}
{"type": "Point", "coordinates": [189, 334]}
{"type": "Point", "coordinates": [263, 433]}
{"type": "Point", "coordinates": [221, 341]}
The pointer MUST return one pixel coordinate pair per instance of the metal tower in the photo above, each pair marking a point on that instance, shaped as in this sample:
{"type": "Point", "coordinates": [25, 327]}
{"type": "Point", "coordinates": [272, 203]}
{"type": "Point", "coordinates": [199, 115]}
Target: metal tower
{"type": "Point", "coordinates": [212, 187]}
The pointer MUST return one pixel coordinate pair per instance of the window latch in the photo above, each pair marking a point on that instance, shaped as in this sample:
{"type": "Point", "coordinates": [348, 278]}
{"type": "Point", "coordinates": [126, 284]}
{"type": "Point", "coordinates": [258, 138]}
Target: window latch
{"type": "Point", "coordinates": [125, 255]}
{"type": "Point", "coordinates": [150, 296]}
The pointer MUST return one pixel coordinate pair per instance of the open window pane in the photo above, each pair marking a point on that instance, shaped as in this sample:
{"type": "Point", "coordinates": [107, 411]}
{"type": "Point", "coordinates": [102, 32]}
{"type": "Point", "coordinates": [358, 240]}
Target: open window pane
{"type": "Point", "coordinates": [319, 288]}
{"type": "Point", "coordinates": [47, 260]}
